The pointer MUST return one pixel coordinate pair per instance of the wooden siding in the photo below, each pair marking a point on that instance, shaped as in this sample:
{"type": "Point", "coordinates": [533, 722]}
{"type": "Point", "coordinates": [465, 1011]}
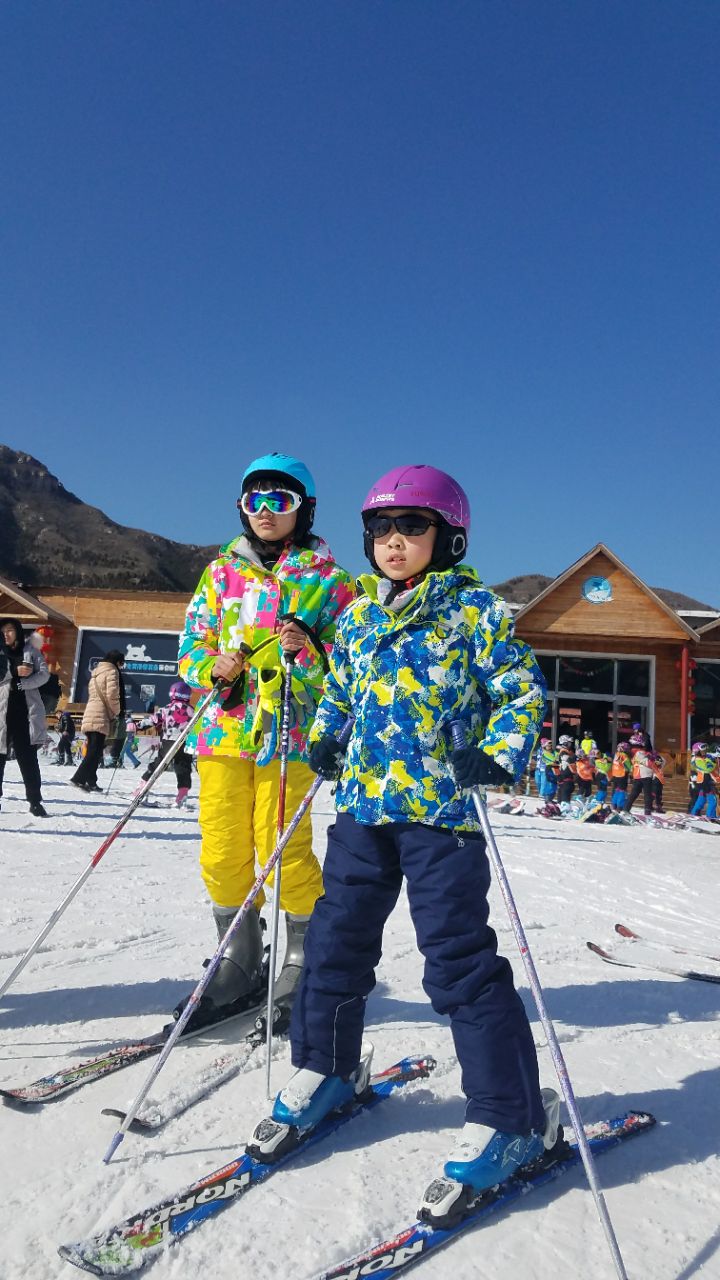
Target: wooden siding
{"type": "Point", "coordinates": [116, 610]}
{"type": "Point", "coordinates": [631, 613]}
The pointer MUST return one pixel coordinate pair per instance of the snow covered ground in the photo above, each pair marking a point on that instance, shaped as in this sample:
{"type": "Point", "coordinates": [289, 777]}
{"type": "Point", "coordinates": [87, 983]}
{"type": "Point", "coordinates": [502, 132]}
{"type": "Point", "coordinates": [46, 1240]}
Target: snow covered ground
{"type": "Point", "coordinates": [133, 942]}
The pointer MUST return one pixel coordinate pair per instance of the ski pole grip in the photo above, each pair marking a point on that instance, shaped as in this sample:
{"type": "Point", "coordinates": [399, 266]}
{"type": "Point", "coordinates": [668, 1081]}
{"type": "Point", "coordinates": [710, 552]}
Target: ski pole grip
{"type": "Point", "coordinates": [458, 734]}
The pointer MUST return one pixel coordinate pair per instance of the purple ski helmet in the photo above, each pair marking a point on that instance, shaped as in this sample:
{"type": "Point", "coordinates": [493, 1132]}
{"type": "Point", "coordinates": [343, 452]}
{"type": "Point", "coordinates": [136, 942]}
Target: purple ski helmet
{"type": "Point", "coordinates": [180, 691]}
{"type": "Point", "coordinates": [698, 746]}
{"type": "Point", "coordinates": [637, 740]}
{"type": "Point", "coordinates": [623, 746]}
{"type": "Point", "coordinates": [423, 486]}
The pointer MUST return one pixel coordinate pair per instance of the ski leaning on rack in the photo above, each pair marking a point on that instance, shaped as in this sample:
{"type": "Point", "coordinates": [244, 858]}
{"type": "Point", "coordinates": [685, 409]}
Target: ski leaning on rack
{"type": "Point", "coordinates": [385, 1260]}
{"type": "Point", "coordinates": [611, 957]}
{"type": "Point", "coordinates": [56, 1085]}
{"type": "Point", "coordinates": [658, 945]}
{"type": "Point", "coordinates": [127, 1246]}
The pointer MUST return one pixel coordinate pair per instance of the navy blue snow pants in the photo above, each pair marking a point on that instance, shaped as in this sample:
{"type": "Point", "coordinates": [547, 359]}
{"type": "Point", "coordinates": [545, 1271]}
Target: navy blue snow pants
{"type": "Point", "coordinates": [448, 877]}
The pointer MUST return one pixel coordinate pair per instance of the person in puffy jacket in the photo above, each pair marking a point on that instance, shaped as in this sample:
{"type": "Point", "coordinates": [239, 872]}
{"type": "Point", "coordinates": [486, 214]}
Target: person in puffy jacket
{"type": "Point", "coordinates": [425, 645]}
{"type": "Point", "coordinates": [23, 726]}
{"type": "Point", "coordinates": [106, 701]}
{"type": "Point", "coordinates": [274, 590]}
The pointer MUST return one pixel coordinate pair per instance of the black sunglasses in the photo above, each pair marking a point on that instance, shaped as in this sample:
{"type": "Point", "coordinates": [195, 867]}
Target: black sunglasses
{"type": "Point", "coordinates": [410, 526]}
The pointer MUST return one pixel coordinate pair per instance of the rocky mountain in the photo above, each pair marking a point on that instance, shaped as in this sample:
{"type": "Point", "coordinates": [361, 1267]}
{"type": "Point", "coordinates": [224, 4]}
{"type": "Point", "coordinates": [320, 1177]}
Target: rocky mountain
{"type": "Point", "coordinates": [49, 537]}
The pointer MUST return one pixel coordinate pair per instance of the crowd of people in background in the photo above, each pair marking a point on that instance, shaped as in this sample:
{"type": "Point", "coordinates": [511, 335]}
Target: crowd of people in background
{"type": "Point", "coordinates": [580, 767]}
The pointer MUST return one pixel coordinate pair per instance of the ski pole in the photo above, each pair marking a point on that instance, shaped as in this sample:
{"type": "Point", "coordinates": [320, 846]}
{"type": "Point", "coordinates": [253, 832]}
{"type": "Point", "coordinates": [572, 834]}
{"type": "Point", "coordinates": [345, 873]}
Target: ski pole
{"type": "Point", "coordinates": [100, 853]}
{"type": "Point", "coordinates": [212, 965]}
{"type": "Point", "coordinates": [459, 740]}
{"type": "Point", "coordinates": [112, 778]}
{"type": "Point", "coordinates": [288, 659]}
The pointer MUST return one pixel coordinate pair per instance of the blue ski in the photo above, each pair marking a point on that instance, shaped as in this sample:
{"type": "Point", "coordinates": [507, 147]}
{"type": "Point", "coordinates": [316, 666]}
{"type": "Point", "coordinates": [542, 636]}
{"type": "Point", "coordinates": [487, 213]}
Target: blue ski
{"type": "Point", "coordinates": [129, 1245]}
{"type": "Point", "coordinates": [383, 1261]}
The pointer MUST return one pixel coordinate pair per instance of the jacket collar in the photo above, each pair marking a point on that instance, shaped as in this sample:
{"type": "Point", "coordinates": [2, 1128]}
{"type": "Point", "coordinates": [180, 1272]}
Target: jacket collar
{"type": "Point", "coordinates": [311, 557]}
{"type": "Point", "coordinates": [427, 598]}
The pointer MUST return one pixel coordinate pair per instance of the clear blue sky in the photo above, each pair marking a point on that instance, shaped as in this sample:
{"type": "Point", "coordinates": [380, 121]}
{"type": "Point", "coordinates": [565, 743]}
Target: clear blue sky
{"type": "Point", "coordinates": [482, 234]}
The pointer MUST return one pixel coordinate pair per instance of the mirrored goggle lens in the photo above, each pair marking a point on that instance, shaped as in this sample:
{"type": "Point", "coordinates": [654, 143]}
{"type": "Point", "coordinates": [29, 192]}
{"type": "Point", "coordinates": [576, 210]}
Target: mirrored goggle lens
{"type": "Point", "coordinates": [280, 501]}
{"type": "Point", "coordinates": [411, 526]}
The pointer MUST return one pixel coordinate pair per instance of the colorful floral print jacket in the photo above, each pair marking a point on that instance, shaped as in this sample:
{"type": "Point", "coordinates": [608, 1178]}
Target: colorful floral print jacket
{"type": "Point", "coordinates": [239, 603]}
{"type": "Point", "coordinates": [405, 672]}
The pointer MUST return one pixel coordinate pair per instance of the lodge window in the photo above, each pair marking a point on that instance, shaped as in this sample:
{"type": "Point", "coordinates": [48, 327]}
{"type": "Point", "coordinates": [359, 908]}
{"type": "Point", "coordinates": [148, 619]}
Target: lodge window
{"type": "Point", "coordinates": [586, 675]}
{"type": "Point", "coordinates": [633, 678]}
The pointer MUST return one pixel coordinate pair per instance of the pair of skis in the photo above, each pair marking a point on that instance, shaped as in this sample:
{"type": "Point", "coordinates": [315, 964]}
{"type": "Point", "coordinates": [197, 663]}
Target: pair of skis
{"type": "Point", "coordinates": [127, 1246]}
{"type": "Point", "coordinates": [628, 960]}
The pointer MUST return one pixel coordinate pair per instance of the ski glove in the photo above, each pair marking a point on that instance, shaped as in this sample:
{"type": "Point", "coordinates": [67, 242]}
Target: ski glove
{"type": "Point", "coordinates": [473, 767]}
{"type": "Point", "coordinates": [326, 758]}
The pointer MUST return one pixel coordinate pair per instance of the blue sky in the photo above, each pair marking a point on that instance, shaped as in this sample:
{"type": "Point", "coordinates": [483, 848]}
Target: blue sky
{"type": "Point", "coordinates": [479, 234]}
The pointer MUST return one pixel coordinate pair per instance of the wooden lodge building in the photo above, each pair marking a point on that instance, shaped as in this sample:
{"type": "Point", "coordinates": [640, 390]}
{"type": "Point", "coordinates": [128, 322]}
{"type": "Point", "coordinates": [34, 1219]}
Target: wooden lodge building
{"type": "Point", "coordinates": [612, 652]}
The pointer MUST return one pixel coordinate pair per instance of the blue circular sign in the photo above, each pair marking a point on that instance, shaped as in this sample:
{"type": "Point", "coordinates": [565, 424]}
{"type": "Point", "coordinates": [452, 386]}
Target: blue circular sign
{"type": "Point", "coordinates": [597, 590]}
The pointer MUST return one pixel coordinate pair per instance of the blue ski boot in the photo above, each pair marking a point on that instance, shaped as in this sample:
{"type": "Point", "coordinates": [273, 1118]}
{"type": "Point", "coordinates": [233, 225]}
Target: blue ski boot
{"type": "Point", "coordinates": [484, 1159]}
{"type": "Point", "coordinates": [306, 1099]}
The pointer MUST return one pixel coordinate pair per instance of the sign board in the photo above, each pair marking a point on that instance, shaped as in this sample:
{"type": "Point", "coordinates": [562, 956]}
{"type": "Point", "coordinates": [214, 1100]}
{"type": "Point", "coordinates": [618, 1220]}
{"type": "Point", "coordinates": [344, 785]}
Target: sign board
{"type": "Point", "coordinates": [151, 664]}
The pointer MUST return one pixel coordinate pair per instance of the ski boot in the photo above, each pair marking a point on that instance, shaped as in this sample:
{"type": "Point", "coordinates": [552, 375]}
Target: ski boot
{"type": "Point", "coordinates": [288, 978]}
{"type": "Point", "coordinates": [485, 1159]}
{"type": "Point", "coordinates": [307, 1098]}
{"type": "Point", "coordinates": [181, 797]}
{"type": "Point", "coordinates": [237, 984]}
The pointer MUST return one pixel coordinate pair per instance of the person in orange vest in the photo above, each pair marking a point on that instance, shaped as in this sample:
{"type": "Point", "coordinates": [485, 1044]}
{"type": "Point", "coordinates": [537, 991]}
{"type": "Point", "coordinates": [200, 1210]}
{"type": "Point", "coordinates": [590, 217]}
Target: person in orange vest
{"type": "Point", "coordinates": [585, 773]}
{"type": "Point", "coordinates": [619, 773]}
{"type": "Point", "coordinates": [642, 774]}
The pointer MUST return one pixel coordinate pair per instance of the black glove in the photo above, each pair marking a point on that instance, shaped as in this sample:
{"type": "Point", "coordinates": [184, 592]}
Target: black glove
{"type": "Point", "coordinates": [473, 767]}
{"type": "Point", "coordinates": [326, 758]}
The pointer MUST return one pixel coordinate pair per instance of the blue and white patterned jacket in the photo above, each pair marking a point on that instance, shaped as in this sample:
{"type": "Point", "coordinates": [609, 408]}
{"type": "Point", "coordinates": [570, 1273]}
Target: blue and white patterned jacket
{"type": "Point", "coordinates": [405, 672]}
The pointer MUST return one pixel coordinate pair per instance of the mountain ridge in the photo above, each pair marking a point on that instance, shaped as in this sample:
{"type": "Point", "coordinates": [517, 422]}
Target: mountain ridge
{"type": "Point", "coordinates": [49, 547]}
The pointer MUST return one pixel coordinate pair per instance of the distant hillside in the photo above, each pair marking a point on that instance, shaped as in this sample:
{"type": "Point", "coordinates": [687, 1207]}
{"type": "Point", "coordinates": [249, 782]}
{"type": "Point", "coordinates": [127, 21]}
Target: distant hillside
{"type": "Point", "coordinates": [48, 537]}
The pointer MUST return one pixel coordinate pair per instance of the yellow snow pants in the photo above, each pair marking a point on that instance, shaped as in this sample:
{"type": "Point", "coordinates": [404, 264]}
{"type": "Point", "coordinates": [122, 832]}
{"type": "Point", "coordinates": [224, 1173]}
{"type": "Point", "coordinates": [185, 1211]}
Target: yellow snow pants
{"type": "Point", "coordinates": [238, 822]}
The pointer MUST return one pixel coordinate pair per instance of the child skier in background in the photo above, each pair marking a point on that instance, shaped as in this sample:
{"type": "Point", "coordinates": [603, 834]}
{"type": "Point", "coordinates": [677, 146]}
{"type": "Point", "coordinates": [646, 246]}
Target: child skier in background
{"type": "Point", "coordinates": [170, 722]}
{"type": "Point", "coordinates": [66, 729]}
{"type": "Point", "coordinates": [566, 771]}
{"type": "Point", "coordinates": [642, 774]}
{"type": "Point", "coordinates": [424, 644]}
{"type": "Point", "coordinates": [603, 765]}
{"type": "Point", "coordinates": [619, 773]}
{"type": "Point", "coordinates": [275, 589]}
{"type": "Point", "coordinates": [585, 767]}
{"type": "Point", "coordinates": [702, 769]}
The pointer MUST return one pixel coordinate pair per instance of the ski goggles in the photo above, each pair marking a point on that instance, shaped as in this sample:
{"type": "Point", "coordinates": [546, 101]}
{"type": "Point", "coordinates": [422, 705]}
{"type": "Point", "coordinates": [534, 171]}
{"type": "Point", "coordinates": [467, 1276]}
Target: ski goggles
{"type": "Point", "coordinates": [411, 525]}
{"type": "Point", "coordinates": [280, 501]}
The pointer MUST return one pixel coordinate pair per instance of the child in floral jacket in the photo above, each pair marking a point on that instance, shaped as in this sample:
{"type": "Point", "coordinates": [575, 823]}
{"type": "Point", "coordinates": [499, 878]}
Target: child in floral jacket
{"type": "Point", "coordinates": [275, 589]}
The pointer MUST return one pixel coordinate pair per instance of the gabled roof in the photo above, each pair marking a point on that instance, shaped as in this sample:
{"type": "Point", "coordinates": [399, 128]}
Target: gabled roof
{"type": "Point", "coordinates": [29, 605]}
{"type": "Point", "coordinates": [601, 549]}
{"type": "Point", "coordinates": [708, 627]}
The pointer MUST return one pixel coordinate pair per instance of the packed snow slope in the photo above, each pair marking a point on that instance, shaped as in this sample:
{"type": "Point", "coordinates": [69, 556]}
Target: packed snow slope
{"type": "Point", "coordinates": [133, 942]}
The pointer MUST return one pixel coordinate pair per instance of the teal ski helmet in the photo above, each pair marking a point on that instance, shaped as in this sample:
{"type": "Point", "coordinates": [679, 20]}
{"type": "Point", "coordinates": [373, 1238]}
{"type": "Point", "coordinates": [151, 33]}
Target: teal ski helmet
{"type": "Point", "coordinates": [290, 473]}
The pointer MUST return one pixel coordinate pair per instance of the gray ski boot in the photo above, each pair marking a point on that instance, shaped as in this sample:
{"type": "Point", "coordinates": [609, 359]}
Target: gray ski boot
{"type": "Point", "coordinates": [238, 982]}
{"type": "Point", "coordinates": [289, 976]}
